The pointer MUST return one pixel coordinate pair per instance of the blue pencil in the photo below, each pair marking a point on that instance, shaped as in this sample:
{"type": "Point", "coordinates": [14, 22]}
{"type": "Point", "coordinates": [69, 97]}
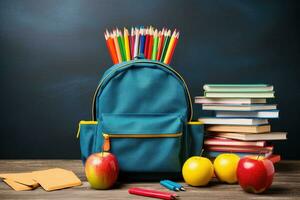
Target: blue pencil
{"type": "Point", "coordinates": [142, 41]}
{"type": "Point", "coordinates": [177, 185]}
{"type": "Point", "coordinates": [169, 186]}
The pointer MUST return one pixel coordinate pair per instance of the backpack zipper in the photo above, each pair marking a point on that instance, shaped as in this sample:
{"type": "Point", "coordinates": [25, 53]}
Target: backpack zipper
{"type": "Point", "coordinates": [159, 63]}
{"type": "Point", "coordinates": [106, 142]}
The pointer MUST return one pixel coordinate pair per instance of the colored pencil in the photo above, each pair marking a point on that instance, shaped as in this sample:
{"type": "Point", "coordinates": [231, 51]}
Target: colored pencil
{"type": "Point", "coordinates": [165, 47]}
{"type": "Point", "coordinates": [173, 48]}
{"type": "Point", "coordinates": [132, 39]}
{"type": "Point", "coordinates": [111, 47]}
{"type": "Point", "coordinates": [121, 45]}
{"type": "Point", "coordinates": [170, 46]}
{"type": "Point", "coordinates": [150, 45]}
{"type": "Point", "coordinates": [160, 44]}
{"type": "Point", "coordinates": [126, 41]}
{"type": "Point", "coordinates": [142, 41]}
{"type": "Point", "coordinates": [146, 43]}
{"type": "Point", "coordinates": [155, 42]}
{"type": "Point", "coordinates": [136, 43]}
{"type": "Point", "coordinates": [117, 46]}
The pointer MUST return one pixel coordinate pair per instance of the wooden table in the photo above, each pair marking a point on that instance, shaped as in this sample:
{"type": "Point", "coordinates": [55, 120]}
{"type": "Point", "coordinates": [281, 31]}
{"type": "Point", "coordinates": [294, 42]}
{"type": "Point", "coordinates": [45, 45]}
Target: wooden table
{"type": "Point", "coordinates": [286, 184]}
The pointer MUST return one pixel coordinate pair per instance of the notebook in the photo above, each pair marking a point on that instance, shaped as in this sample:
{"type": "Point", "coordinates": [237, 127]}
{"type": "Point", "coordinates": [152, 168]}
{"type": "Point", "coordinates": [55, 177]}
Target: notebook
{"type": "Point", "coordinates": [239, 94]}
{"type": "Point", "coordinates": [253, 137]}
{"type": "Point", "coordinates": [252, 107]}
{"type": "Point", "coordinates": [238, 87]}
{"type": "Point", "coordinates": [239, 128]}
{"type": "Point", "coordinates": [215, 141]}
{"type": "Point", "coordinates": [205, 100]}
{"type": "Point", "coordinates": [249, 114]}
{"type": "Point", "coordinates": [233, 121]}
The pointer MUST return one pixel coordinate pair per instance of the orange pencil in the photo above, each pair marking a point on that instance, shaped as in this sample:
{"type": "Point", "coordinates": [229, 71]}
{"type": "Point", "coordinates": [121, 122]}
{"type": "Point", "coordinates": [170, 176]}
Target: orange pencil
{"type": "Point", "coordinates": [160, 44]}
{"type": "Point", "coordinates": [111, 47]}
{"type": "Point", "coordinates": [114, 36]}
{"type": "Point", "coordinates": [173, 48]}
{"type": "Point", "coordinates": [170, 46]}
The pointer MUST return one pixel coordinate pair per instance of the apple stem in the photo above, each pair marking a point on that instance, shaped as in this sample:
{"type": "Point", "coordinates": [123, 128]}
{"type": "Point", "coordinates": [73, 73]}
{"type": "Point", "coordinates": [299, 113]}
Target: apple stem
{"type": "Point", "coordinates": [260, 153]}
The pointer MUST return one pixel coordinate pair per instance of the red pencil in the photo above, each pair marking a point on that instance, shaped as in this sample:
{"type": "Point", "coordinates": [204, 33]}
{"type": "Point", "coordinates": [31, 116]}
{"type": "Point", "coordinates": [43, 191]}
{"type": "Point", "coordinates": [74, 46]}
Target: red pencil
{"type": "Point", "coordinates": [173, 48]}
{"type": "Point", "coordinates": [146, 43]}
{"type": "Point", "coordinates": [132, 39]}
{"type": "Point", "coordinates": [111, 47]}
{"type": "Point", "coordinates": [152, 193]}
{"type": "Point", "coordinates": [149, 53]}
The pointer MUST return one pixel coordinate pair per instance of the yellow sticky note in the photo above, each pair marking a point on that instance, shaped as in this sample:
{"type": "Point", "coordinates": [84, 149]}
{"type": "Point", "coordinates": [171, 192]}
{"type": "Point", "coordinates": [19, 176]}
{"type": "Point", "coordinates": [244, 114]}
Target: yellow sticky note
{"type": "Point", "coordinates": [17, 186]}
{"type": "Point", "coordinates": [57, 178]}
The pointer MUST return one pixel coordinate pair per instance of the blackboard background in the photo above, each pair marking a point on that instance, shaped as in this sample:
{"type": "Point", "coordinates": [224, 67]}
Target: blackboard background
{"type": "Point", "coordinates": [53, 54]}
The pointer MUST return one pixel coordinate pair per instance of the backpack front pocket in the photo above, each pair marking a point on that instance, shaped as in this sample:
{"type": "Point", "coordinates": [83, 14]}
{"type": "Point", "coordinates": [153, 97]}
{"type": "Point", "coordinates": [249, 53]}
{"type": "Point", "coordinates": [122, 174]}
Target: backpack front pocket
{"type": "Point", "coordinates": [144, 142]}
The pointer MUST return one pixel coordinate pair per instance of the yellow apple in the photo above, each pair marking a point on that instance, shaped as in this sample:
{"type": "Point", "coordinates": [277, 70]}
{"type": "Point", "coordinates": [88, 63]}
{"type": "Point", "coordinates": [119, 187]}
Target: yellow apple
{"type": "Point", "coordinates": [197, 171]}
{"type": "Point", "coordinates": [225, 166]}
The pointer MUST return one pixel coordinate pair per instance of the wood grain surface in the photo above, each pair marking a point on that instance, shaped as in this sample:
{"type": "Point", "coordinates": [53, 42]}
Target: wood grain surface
{"type": "Point", "coordinates": [286, 184]}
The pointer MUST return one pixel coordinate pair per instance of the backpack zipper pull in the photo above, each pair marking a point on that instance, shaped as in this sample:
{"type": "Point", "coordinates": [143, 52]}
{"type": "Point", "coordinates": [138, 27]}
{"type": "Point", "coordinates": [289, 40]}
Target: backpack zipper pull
{"type": "Point", "coordinates": [106, 142]}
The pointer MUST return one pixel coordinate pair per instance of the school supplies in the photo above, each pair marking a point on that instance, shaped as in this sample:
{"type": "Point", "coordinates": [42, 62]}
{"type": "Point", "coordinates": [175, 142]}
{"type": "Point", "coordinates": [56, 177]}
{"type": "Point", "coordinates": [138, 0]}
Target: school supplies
{"type": "Point", "coordinates": [150, 43]}
{"type": "Point", "coordinates": [152, 193]}
{"type": "Point", "coordinates": [242, 114]}
{"type": "Point", "coordinates": [172, 185]}
{"type": "Point", "coordinates": [51, 179]}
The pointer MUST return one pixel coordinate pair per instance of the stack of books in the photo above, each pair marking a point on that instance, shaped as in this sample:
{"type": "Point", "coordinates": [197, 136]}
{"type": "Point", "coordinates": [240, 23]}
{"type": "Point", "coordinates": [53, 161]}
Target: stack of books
{"type": "Point", "coordinates": [241, 121]}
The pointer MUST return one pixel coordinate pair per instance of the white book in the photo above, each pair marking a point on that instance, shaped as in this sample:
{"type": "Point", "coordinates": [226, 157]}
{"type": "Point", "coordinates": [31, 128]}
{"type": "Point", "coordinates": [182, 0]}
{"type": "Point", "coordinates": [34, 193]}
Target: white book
{"type": "Point", "coordinates": [248, 114]}
{"type": "Point", "coordinates": [238, 87]}
{"type": "Point", "coordinates": [252, 107]}
{"type": "Point", "coordinates": [204, 100]}
{"type": "Point", "coordinates": [252, 137]}
{"type": "Point", "coordinates": [233, 121]}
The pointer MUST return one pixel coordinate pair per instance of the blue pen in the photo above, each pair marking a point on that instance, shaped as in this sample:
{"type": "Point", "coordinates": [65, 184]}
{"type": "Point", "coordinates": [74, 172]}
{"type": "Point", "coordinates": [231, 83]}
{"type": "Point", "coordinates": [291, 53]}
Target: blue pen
{"type": "Point", "coordinates": [177, 185]}
{"type": "Point", "coordinates": [169, 186]}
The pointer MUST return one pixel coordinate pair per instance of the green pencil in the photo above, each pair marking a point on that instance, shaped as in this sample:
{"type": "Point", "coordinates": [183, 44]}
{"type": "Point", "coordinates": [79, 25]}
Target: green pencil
{"type": "Point", "coordinates": [155, 43]}
{"type": "Point", "coordinates": [121, 44]}
{"type": "Point", "coordinates": [166, 44]}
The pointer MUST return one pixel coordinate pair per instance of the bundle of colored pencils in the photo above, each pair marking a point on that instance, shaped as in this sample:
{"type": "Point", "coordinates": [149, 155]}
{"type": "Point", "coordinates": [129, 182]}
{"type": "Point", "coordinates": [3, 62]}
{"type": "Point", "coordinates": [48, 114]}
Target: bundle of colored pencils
{"type": "Point", "coordinates": [152, 43]}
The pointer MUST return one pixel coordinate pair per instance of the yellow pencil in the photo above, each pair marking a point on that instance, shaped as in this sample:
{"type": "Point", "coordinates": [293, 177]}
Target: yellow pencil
{"type": "Point", "coordinates": [127, 50]}
{"type": "Point", "coordinates": [117, 46]}
{"type": "Point", "coordinates": [171, 44]}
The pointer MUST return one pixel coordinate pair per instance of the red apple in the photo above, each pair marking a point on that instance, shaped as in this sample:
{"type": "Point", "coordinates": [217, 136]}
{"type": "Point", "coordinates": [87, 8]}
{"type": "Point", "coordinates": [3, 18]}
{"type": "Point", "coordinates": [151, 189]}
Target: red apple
{"type": "Point", "coordinates": [255, 175]}
{"type": "Point", "coordinates": [102, 170]}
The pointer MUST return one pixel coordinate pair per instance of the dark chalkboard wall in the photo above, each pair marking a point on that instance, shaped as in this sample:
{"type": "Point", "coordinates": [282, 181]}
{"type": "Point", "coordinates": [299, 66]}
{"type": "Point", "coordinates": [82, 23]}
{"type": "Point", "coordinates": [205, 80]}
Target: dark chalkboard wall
{"type": "Point", "coordinates": [53, 54]}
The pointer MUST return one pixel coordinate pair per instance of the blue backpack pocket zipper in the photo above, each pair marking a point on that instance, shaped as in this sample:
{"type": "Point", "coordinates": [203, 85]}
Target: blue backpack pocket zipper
{"type": "Point", "coordinates": [152, 141]}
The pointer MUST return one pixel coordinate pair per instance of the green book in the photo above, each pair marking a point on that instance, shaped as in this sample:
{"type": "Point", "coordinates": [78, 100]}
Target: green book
{"type": "Point", "coordinates": [238, 87]}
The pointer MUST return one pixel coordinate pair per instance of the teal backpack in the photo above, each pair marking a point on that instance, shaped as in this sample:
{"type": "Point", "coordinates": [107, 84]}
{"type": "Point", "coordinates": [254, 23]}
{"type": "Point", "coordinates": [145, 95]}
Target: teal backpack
{"type": "Point", "coordinates": [142, 112]}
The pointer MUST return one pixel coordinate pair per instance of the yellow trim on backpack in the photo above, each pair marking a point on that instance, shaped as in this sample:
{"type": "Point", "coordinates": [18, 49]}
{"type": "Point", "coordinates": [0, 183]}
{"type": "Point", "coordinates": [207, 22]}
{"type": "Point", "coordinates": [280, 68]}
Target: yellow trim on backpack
{"type": "Point", "coordinates": [85, 123]}
{"type": "Point", "coordinates": [195, 123]}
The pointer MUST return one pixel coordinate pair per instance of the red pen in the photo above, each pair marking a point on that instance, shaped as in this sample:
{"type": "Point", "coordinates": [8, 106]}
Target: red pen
{"type": "Point", "coordinates": [152, 193]}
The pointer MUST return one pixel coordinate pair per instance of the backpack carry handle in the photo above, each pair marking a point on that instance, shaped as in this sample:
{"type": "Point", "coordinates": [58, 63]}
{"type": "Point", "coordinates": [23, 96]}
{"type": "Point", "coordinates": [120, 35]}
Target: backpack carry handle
{"type": "Point", "coordinates": [140, 56]}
